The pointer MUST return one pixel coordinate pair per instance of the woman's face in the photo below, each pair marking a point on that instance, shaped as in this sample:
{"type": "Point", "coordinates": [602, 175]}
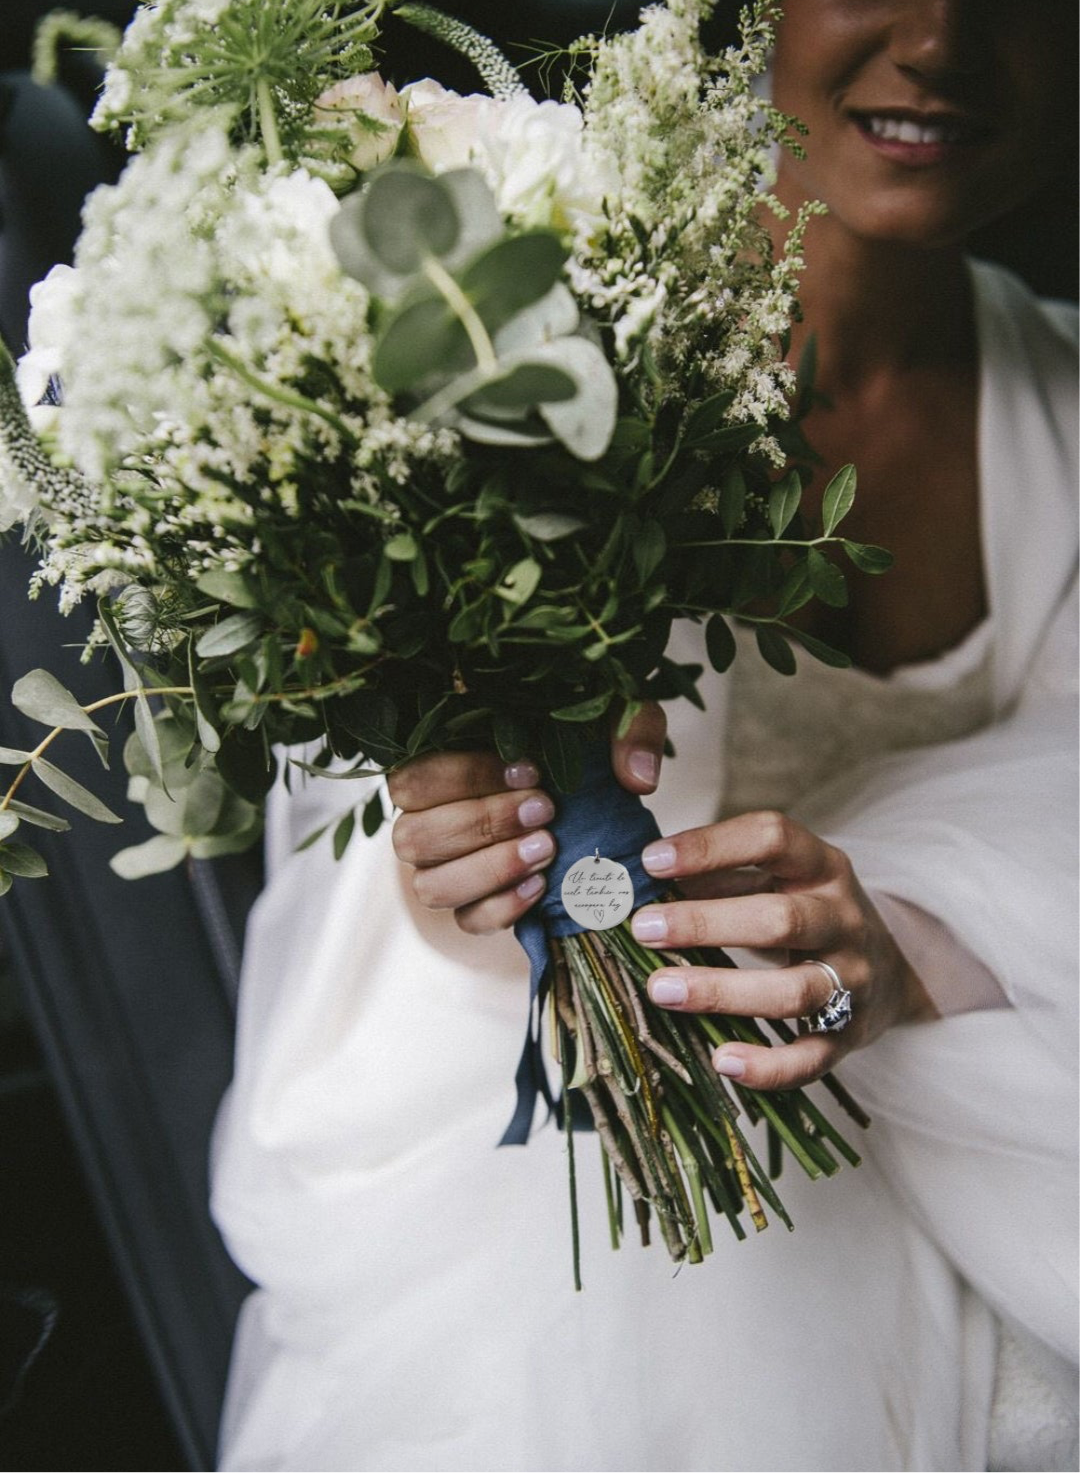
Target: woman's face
{"type": "Point", "coordinates": [927, 118]}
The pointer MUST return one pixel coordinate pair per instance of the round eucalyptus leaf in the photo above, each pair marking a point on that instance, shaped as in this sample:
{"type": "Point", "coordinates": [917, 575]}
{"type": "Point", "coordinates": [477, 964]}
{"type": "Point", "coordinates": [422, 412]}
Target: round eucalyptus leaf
{"type": "Point", "coordinates": [421, 339]}
{"type": "Point", "coordinates": [160, 853]}
{"type": "Point", "coordinates": [406, 216]}
{"type": "Point", "coordinates": [513, 274]}
{"type": "Point", "coordinates": [525, 385]}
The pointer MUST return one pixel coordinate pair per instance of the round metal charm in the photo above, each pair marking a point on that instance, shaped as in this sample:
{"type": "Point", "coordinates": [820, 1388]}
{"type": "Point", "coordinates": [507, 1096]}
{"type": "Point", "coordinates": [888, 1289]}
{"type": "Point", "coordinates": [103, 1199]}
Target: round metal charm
{"type": "Point", "coordinates": [598, 893]}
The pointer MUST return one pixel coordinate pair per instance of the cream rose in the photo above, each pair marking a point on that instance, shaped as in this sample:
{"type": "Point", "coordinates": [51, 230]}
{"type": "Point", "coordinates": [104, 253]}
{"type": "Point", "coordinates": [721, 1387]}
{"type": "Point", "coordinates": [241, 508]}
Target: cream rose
{"type": "Point", "coordinates": [368, 110]}
{"type": "Point", "coordinates": [447, 131]}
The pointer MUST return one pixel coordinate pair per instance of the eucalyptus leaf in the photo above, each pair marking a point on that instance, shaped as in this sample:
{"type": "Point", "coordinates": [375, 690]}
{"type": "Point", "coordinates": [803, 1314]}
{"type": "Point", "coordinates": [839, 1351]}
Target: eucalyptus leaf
{"type": "Point", "coordinates": [719, 643]}
{"type": "Point", "coordinates": [40, 696]}
{"type": "Point", "coordinates": [585, 423]}
{"type": "Point", "coordinates": [486, 433]}
{"type": "Point", "coordinates": [5, 882]}
{"type": "Point", "coordinates": [784, 500]}
{"type": "Point", "coordinates": [38, 817]}
{"type": "Point", "coordinates": [511, 736]}
{"type": "Point", "coordinates": [732, 499]}
{"type": "Point", "coordinates": [373, 815]}
{"type": "Point", "coordinates": [550, 526]}
{"type": "Point", "coordinates": [555, 315]}
{"type": "Point", "coordinates": [227, 588]}
{"type": "Point", "coordinates": [162, 852]}
{"type": "Point", "coordinates": [648, 549]}
{"type": "Point", "coordinates": [775, 650]}
{"type": "Point", "coordinates": [838, 498]}
{"type": "Point", "coordinates": [867, 558]}
{"type": "Point", "coordinates": [9, 822]}
{"type": "Point", "coordinates": [422, 338]}
{"type": "Point", "coordinates": [203, 704]}
{"type": "Point", "coordinates": [826, 579]}
{"type": "Point", "coordinates": [70, 791]}
{"type": "Point", "coordinates": [822, 651]}
{"type": "Point", "coordinates": [21, 860]}
{"type": "Point", "coordinates": [343, 832]}
{"type": "Point", "coordinates": [521, 582]}
{"type": "Point", "coordinates": [237, 632]}
{"type": "Point", "coordinates": [401, 216]}
{"type": "Point", "coordinates": [515, 273]}
{"type": "Point", "coordinates": [523, 386]}
{"type": "Point", "coordinates": [588, 710]}
{"type": "Point", "coordinates": [13, 757]}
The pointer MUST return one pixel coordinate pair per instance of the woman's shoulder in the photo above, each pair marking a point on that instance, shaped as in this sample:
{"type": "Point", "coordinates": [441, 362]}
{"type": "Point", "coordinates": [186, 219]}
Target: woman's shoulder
{"type": "Point", "coordinates": [1049, 328]}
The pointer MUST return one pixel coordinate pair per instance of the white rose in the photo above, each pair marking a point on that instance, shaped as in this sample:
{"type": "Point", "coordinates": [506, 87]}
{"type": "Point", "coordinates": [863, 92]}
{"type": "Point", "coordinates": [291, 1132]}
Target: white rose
{"type": "Point", "coordinates": [368, 110]}
{"type": "Point", "coordinates": [537, 164]}
{"type": "Point", "coordinates": [447, 130]}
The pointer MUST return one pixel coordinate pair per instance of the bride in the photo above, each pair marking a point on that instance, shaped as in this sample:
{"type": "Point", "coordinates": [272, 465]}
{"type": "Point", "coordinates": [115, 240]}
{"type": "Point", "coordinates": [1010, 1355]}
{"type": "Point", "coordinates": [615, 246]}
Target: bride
{"type": "Point", "coordinates": [910, 824]}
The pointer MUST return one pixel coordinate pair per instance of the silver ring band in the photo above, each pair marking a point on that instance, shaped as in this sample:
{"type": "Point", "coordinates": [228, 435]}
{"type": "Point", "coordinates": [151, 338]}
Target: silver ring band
{"type": "Point", "coordinates": [835, 1015]}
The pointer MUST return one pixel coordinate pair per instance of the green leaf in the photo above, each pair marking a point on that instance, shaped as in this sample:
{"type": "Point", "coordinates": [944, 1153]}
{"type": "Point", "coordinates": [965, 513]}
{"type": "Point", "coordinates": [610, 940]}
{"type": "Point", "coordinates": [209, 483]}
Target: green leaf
{"type": "Point", "coordinates": [649, 547]}
{"type": "Point", "coordinates": [203, 705]}
{"type": "Point", "coordinates": [74, 793]}
{"type": "Point", "coordinates": [795, 590]}
{"type": "Point", "coordinates": [511, 736]}
{"type": "Point", "coordinates": [162, 852]}
{"type": "Point", "coordinates": [826, 579]}
{"type": "Point", "coordinates": [5, 882]}
{"type": "Point", "coordinates": [373, 815]}
{"type": "Point", "coordinates": [784, 501]}
{"type": "Point", "coordinates": [838, 499]}
{"type": "Point", "coordinates": [424, 727]}
{"type": "Point", "coordinates": [237, 632]}
{"type": "Point", "coordinates": [40, 696]}
{"type": "Point", "coordinates": [732, 499]}
{"type": "Point", "coordinates": [312, 838]}
{"type": "Point", "coordinates": [12, 757]}
{"type": "Point", "coordinates": [822, 651]}
{"type": "Point", "coordinates": [9, 822]}
{"type": "Point", "coordinates": [422, 338]}
{"type": "Point", "coordinates": [520, 582]}
{"type": "Point", "coordinates": [562, 755]}
{"type": "Point", "coordinates": [523, 386]}
{"type": "Point", "coordinates": [246, 764]}
{"type": "Point", "coordinates": [719, 643]}
{"type": "Point", "coordinates": [775, 650]}
{"type": "Point", "coordinates": [584, 423]}
{"type": "Point", "coordinates": [343, 832]}
{"type": "Point", "coordinates": [867, 558]}
{"type": "Point", "coordinates": [405, 215]}
{"type": "Point", "coordinates": [729, 438]}
{"type": "Point", "coordinates": [227, 588]}
{"type": "Point", "coordinates": [707, 418]}
{"type": "Point", "coordinates": [588, 710]}
{"type": "Point", "coordinates": [550, 526]}
{"type": "Point", "coordinates": [513, 274]}
{"type": "Point", "coordinates": [38, 817]}
{"type": "Point", "coordinates": [21, 860]}
{"type": "Point", "coordinates": [402, 548]}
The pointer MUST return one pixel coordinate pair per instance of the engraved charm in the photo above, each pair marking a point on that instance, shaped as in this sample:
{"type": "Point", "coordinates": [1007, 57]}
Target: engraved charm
{"type": "Point", "coordinates": [598, 893]}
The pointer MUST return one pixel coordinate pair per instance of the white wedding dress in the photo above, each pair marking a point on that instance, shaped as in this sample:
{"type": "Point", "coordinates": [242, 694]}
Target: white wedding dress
{"type": "Point", "coordinates": [416, 1309]}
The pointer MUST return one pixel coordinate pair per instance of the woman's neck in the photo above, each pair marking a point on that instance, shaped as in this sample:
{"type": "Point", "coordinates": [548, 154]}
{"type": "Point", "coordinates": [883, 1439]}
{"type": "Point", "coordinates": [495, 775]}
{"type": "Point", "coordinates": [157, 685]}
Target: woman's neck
{"type": "Point", "coordinates": [880, 308]}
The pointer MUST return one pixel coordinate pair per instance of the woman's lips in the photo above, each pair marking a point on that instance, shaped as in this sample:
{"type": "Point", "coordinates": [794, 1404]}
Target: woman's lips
{"type": "Point", "coordinates": [918, 141]}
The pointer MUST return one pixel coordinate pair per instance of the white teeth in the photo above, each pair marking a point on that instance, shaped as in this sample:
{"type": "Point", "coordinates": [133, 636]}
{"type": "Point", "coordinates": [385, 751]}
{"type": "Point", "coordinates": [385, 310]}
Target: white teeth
{"type": "Point", "coordinates": [905, 131]}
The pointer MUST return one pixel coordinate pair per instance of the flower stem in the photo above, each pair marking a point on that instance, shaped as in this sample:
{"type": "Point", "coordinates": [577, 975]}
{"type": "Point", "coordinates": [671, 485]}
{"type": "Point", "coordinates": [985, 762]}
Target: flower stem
{"type": "Point", "coordinates": [466, 313]}
{"type": "Point", "coordinates": [268, 122]}
{"type": "Point", "coordinates": [288, 397]}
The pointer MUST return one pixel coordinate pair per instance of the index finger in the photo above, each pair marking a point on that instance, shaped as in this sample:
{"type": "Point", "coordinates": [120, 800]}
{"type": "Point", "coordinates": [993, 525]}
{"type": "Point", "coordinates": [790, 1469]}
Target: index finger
{"type": "Point", "coordinates": [768, 841]}
{"type": "Point", "coordinates": [450, 777]}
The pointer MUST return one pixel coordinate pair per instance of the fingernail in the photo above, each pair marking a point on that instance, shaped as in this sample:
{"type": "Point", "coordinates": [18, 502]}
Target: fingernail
{"type": "Point", "coordinates": [535, 811]}
{"type": "Point", "coordinates": [645, 766]}
{"type": "Point", "coordinates": [529, 889]}
{"type": "Point", "coordinates": [535, 848]}
{"type": "Point", "coordinates": [729, 1065]}
{"type": "Point", "coordinates": [658, 858]}
{"type": "Point", "coordinates": [649, 925]}
{"type": "Point", "coordinates": [667, 989]}
{"type": "Point", "coordinates": [521, 775]}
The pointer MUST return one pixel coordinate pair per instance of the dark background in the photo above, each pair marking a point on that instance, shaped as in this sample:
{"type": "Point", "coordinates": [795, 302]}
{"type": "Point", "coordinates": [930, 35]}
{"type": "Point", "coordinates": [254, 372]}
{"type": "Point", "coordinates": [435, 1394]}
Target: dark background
{"type": "Point", "coordinates": [115, 1297]}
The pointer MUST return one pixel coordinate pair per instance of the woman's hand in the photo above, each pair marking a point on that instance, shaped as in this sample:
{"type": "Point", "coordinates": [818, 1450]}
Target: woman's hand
{"type": "Point", "coordinates": [475, 828]}
{"type": "Point", "coordinates": [765, 882]}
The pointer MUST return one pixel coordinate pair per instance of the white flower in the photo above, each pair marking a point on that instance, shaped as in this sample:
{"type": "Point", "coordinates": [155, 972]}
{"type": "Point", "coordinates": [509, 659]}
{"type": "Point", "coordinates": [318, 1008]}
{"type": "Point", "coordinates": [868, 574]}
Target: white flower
{"type": "Point", "coordinates": [52, 308]}
{"type": "Point", "coordinates": [446, 129]}
{"type": "Point", "coordinates": [369, 112]}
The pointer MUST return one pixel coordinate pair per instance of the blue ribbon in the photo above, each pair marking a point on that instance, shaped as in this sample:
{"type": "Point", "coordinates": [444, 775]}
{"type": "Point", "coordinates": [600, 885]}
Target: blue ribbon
{"type": "Point", "coordinates": [602, 815]}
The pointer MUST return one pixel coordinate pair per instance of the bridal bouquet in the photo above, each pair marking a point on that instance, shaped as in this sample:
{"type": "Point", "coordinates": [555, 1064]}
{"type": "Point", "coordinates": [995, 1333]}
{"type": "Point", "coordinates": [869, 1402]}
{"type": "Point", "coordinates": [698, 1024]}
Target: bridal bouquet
{"type": "Point", "coordinates": [397, 421]}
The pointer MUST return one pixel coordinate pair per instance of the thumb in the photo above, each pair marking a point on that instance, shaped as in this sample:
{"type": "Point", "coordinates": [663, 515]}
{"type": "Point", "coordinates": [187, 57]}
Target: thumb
{"type": "Point", "coordinates": [635, 757]}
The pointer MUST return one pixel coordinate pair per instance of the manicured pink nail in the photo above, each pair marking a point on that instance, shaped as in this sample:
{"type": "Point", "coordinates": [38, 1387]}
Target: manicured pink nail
{"type": "Point", "coordinates": [535, 811]}
{"type": "Point", "coordinates": [729, 1065]}
{"type": "Point", "coordinates": [535, 848]}
{"type": "Point", "coordinates": [521, 775]}
{"type": "Point", "coordinates": [668, 989]}
{"type": "Point", "coordinates": [529, 889]}
{"type": "Point", "coordinates": [649, 925]}
{"type": "Point", "coordinates": [658, 859]}
{"type": "Point", "coordinates": [645, 766]}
